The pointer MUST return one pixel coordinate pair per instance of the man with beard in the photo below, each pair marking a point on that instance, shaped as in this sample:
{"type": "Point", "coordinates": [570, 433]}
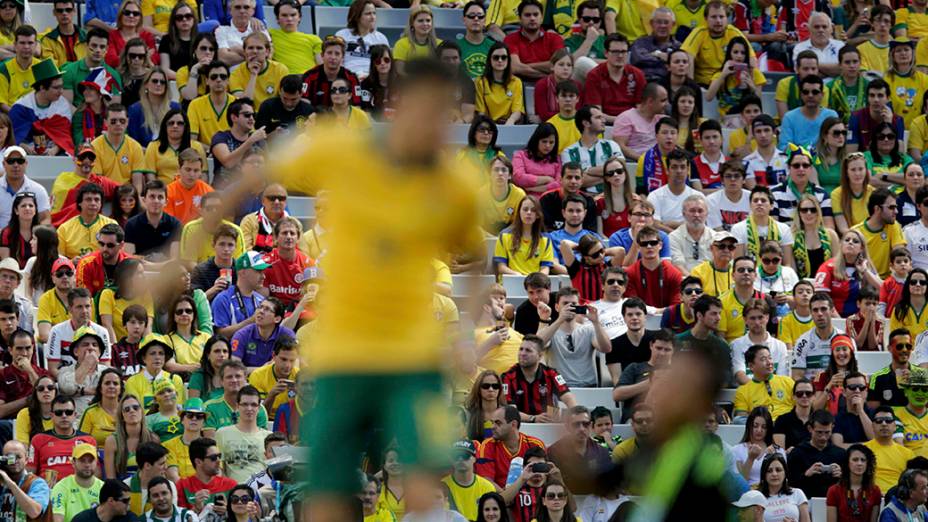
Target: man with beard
{"type": "Point", "coordinates": [80, 490]}
{"type": "Point", "coordinates": [164, 505]}
{"type": "Point", "coordinates": [22, 494]}
{"type": "Point", "coordinates": [532, 386]}
{"type": "Point", "coordinates": [495, 454]}
{"type": "Point", "coordinates": [881, 231]}
{"type": "Point", "coordinates": [113, 506]}
{"type": "Point", "coordinates": [884, 383]}
{"type": "Point", "coordinates": [98, 269]}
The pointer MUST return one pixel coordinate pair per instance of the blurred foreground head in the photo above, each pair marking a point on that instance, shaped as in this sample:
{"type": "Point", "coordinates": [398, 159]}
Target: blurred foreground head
{"type": "Point", "coordinates": [424, 108]}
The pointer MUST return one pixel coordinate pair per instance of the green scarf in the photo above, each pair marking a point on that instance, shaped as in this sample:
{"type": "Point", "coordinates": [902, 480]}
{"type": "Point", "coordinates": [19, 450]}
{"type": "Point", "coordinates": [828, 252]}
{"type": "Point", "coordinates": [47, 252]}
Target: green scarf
{"type": "Point", "coordinates": [801, 255]}
{"type": "Point", "coordinates": [773, 234]}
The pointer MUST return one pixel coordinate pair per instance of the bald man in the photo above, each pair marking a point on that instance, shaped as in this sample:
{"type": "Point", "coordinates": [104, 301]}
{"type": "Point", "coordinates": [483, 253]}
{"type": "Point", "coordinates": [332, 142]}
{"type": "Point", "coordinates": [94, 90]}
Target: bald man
{"type": "Point", "coordinates": [21, 490]}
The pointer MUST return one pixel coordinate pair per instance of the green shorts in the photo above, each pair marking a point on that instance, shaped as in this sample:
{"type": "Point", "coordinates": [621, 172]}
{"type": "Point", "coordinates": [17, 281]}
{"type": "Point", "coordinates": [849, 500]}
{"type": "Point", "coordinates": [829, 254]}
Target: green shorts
{"type": "Point", "coordinates": [411, 407]}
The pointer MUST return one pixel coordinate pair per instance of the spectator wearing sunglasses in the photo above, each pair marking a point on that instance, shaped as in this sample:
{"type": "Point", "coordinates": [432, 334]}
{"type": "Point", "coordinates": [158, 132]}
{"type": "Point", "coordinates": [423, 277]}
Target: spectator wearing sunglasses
{"type": "Point", "coordinates": [852, 423]}
{"type": "Point", "coordinates": [207, 463]}
{"type": "Point", "coordinates": [891, 457]}
{"type": "Point", "coordinates": [16, 182]}
{"type": "Point", "coordinates": [789, 430]}
{"type": "Point", "coordinates": [49, 452]}
{"type": "Point", "coordinates": [193, 418]}
{"type": "Point", "coordinates": [113, 505]}
{"type": "Point", "coordinates": [229, 146]}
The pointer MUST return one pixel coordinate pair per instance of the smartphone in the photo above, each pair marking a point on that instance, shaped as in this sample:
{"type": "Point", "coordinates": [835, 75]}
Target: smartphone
{"type": "Point", "coordinates": [219, 499]}
{"type": "Point", "coordinates": [580, 309]}
{"type": "Point", "coordinates": [773, 294]}
{"type": "Point", "coordinates": [541, 467]}
{"type": "Point", "coordinates": [741, 67]}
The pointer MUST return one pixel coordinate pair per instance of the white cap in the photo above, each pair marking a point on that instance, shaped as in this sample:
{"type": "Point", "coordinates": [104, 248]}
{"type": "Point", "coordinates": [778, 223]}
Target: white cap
{"type": "Point", "coordinates": [751, 498]}
{"type": "Point", "coordinates": [14, 148]}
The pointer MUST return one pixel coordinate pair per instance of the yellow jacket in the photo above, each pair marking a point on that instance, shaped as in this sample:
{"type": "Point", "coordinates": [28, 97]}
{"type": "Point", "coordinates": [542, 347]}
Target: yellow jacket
{"type": "Point", "coordinates": [53, 47]}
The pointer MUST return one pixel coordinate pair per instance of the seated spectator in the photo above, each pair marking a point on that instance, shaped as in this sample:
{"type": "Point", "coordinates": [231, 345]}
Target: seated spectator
{"type": "Point", "coordinates": [418, 40]}
{"type": "Point", "coordinates": [191, 79]}
{"type": "Point", "coordinates": [538, 288]}
{"type": "Point", "coordinates": [562, 70]}
{"type": "Point", "coordinates": [48, 451]}
{"type": "Point", "coordinates": [537, 167]}
{"type": "Point", "coordinates": [912, 298]}
{"type": "Point", "coordinates": [885, 384]}
{"type": "Point", "coordinates": [498, 199]}
{"type": "Point", "coordinates": [576, 455]}
{"type": "Point", "coordinates": [614, 86]}
{"type": "Point", "coordinates": [342, 112]}
{"type": "Point", "coordinates": [481, 143]}
{"type": "Point", "coordinates": [652, 162]}
{"type": "Point", "coordinates": [20, 375]}
{"type": "Point", "coordinates": [80, 490]}
{"type": "Point", "coordinates": [16, 238]}
{"type": "Point", "coordinates": [40, 118]}
{"type": "Point", "coordinates": [613, 282]}
{"type": "Point", "coordinates": [97, 41]}
{"type": "Point", "coordinates": [17, 75]}
{"type": "Point", "coordinates": [147, 114]}
{"type": "Point", "coordinates": [807, 461]}
{"type": "Point", "coordinates": [705, 44]}
{"type": "Point", "coordinates": [258, 228]}
{"type": "Point", "coordinates": [512, 255]}
{"type": "Point", "coordinates": [707, 333]}
{"type": "Point", "coordinates": [178, 32]}
{"type": "Point", "coordinates": [715, 273]}
{"type": "Point", "coordinates": [591, 151]}
{"type": "Point", "coordinates": [638, 377]}
{"type": "Point", "coordinates": [789, 429]}
{"type": "Point", "coordinates": [820, 42]}
{"type": "Point", "coordinates": [526, 490]}
{"type": "Point", "coordinates": [615, 203]}
{"type": "Point", "coordinates": [650, 53]}
{"type": "Point", "coordinates": [58, 42]}
{"type": "Point", "coordinates": [287, 112]}
{"type": "Point", "coordinates": [756, 445]}
{"type": "Point", "coordinates": [134, 66]}
{"type": "Point", "coordinates": [229, 146]}
{"type": "Point", "coordinates": [568, 94]}
{"type": "Point", "coordinates": [259, 77]}
{"type": "Point", "coordinates": [766, 165]}
{"type": "Point", "coordinates": [691, 242]}
{"type": "Point", "coordinates": [192, 417]}
{"type": "Point", "coordinates": [208, 113]}
{"type": "Point", "coordinates": [317, 82]}
{"type": "Point", "coordinates": [908, 211]}
{"type": "Point", "coordinates": [783, 498]}
{"type": "Point", "coordinates": [87, 120]}
{"type": "Point", "coordinates": [574, 212]}
{"type": "Point", "coordinates": [94, 270]}
{"type": "Point", "coordinates": [152, 465]}
{"type": "Point", "coordinates": [891, 457]}
{"type": "Point", "coordinates": [786, 195]}
{"type": "Point", "coordinates": [680, 317]}
{"type": "Point", "coordinates": [586, 261]}
{"type": "Point", "coordinates": [788, 95]}
{"type": "Point", "coordinates": [79, 380]}
{"type": "Point", "coordinates": [129, 289]}
{"type": "Point", "coordinates": [196, 243]}
{"type": "Point", "coordinates": [908, 416]}
{"type": "Point", "coordinates": [498, 347]}
{"type": "Point", "coordinates": [223, 409]}
{"type": "Point", "coordinates": [276, 379]}
{"type": "Point", "coordinates": [801, 125]}
{"type": "Point", "coordinates": [756, 314]}
{"type": "Point", "coordinates": [678, 68]}
{"type": "Point", "coordinates": [880, 231]}
{"type": "Point", "coordinates": [206, 382]}
{"type": "Point", "coordinates": [153, 353]}
{"type": "Point", "coordinates": [287, 264]}
{"type": "Point", "coordinates": [119, 157]}
{"type": "Point", "coordinates": [97, 420]}
{"type": "Point", "coordinates": [36, 416]}
{"type": "Point", "coordinates": [863, 122]}
{"type": "Point", "coordinates": [185, 336]}
{"type": "Point", "coordinates": [129, 27]}
{"type": "Point", "coordinates": [708, 163]}
{"type": "Point", "coordinates": [80, 312]}
{"type": "Point", "coordinates": [740, 143]}
{"type": "Point", "coordinates": [244, 438]}
{"type": "Point", "coordinates": [886, 158]}
{"type": "Point", "coordinates": [813, 242]}
{"type": "Point", "coordinates": [228, 319]}
{"type": "Point", "coordinates": [290, 44]}
{"type": "Point", "coordinates": [738, 78]}
{"type": "Point", "coordinates": [256, 343]}
{"type": "Point", "coordinates": [852, 424]}
{"type": "Point", "coordinates": [136, 320]}
{"type": "Point", "coordinates": [732, 204]}
{"type": "Point", "coordinates": [642, 421]}
{"type": "Point", "coordinates": [641, 215]}
{"type": "Point", "coordinates": [164, 421]}
{"type": "Point", "coordinates": [764, 376]}
{"type": "Point", "coordinates": [76, 236]}
{"type": "Point", "coordinates": [184, 193]}
{"type": "Point", "coordinates": [653, 279]}
{"type": "Point", "coordinates": [376, 97]}
{"type": "Point", "coordinates": [856, 269]}
{"type": "Point", "coordinates": [775, 276]}
{"type": "Point", "coordinates": [126, 203]}
{"type": "Point", "coordinates": [499, 92]}
{"type": "Point", "coordinates": [848, 88]}
{"type": "Point", "coordinates": [532, 46]}
{"type": "Point", "coordinates": [230, 36]}
{"type": "Point", "coordinates": [154, 233]}
{"type": "Point", "coordinates": [916, 230]}
{"type": "Point", "coordinates": [906, 83]}
{"type": "Point", "coordinates": [830, 154]}
{"type": "Point", "coordinates": [52, 308]}
{"type": "Point", "coordinates": [668, 198]}
{"type": "Point", "coordinates": [632, 128]}
{"type": "Point", "coordinates": [586, 38]}
{"type": "Point", "coordinates": [206, 458]}
{"type": "Point", "coordinates": [683, 109]}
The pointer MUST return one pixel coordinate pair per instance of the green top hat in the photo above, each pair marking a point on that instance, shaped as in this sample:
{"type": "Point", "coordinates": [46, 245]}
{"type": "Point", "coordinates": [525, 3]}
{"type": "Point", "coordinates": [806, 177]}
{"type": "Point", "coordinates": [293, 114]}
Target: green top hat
{"type": "Point", "coordinates": [45, 70]}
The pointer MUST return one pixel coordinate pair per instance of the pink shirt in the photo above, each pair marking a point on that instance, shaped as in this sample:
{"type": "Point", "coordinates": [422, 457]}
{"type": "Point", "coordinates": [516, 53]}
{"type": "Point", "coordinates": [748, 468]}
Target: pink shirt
{"type": "Point", "coordinates": [639, 131]}
{"type": "Point", "coordinates": [526, 172]}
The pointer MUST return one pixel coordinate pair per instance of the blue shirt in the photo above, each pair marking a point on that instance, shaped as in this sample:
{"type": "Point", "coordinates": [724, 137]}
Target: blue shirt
{"type": "Point", "coordinates": [104, 10]}
{"type": "Point", "coordinates": [38, 491]}
{"type": "Point", "coordinates": [230, 307]}
{"type": "Point", "coordinates": [560, 234]}
{"type": "Point", "coordinates": [799, 130]}
{"type": "Point", "coordinates": [623, 238]}
{"type": "Point", "coordinates": [248, 346]}
{"type": "Point", "coordinates": [219, 10]}
{"type": "Point", "coordinates": [137, 129]}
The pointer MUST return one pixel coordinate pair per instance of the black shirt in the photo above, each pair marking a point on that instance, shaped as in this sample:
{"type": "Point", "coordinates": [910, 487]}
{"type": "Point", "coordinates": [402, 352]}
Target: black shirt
{"type": "Point", "coordinates": [625, 353]}
{"type": "Point", "coordinates": [633, 374]}
{"type": "Point", "coordinates": [526, 321]}
{"type": "Point", "coordinates": [272, 115]}
{"type": "Point", "coordinates": [803, 457]}
{"type": "Point", "coordinates": [792, 427]}
{"type": "Point", "coordinates": [90, 515]}
{"type": "Point", "coordinates": [204, 275]}
{"type": "Point", "coordinates": [850, 427]}
{"type": "Point", "coordinates": [149, 240]}
{"type": "Point", "coordinates": [885, 390]}
{"type": "Point", "coordinates": [554, 216]}
{"type": "Point", "coordinates": [179, 59]}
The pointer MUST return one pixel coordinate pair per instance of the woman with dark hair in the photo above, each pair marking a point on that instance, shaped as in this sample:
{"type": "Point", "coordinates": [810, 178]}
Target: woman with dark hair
{"type": "Point", "coordinates": [783, 502]}
{"type": "Point", "coordinates": [7, 139]}
{"type": "Point", "coordinates": [586, 272]}
{"type": "Point", "coordinates": [11, 17]}
{"type": "Point", "coordinates": [537, 167]}
{"type": "Point", "coordinates": [829, 385]}
{"type": "Point", "coordinates": [562, 70]}
{"type": "Point", "coordinates": [855, 498]}
{"type": "Point", "coordinates": [908, 211]}
{"type": "Point", "coordinates": [173, 138]}
{"type": "Point", "coordinates": [683, 108]}
{"type": "Point", "coordinates": [615, 203]}
{"type": "Point", "coordinates": [189, 80]}
{"type": "Point", "coordinates": [147, 115]}
{"type": "Point", "coordinates": [131, 430]}
{"type": "Point", "coordinates": [37, 275]}
{"type": "Point", "coordinates": [392, 495]}
{"type": "Point", "coordinates": [523, 248]}
{"type": "Point", "coordinates": [185, 337]}
{"type": "Point", "coordinates": [174, 281]}
{"type": "Point", "coordinates": [375, 89]}
{"type": "Point", "coordinates": [242, 505]}
{"type": "Point", "coordinates": [492, 508]}
{"type": "Point", "coordinates": [361, 36]}
{"type": "Point", "coordinates": [99, 419]}
{"type": "Point", "coordinates": [134, 66]}
{"type": "Point", "coordinates": [175, 47]}
{"type": "Point", "coordinates": [206, 383]}
{"type": "Point", "coordinates": [887, 162]}
{"type": "Point", "coordinates": [481, 143]}
{"type": "Point", "coordinates": [342, 112]}
{"type": "Point", "coordinates": [36, 417]}
{"type": "Point", "coordinates": [739, 77]}
{"type": "Point", "coordinates": [16, 238]}
{"type": "Point", "coordinates": [486, 396]}
{"type": "Point", "coordinates": [499, 91]}
{"type": "Point", "coordinates": [126, 203]}
{"type": "Point", "coordinates": [829, 153]}
{"type": "Point", "coordinates": [555, 503]}
{"type": "Point", "coordinates": [911, 306]}
{"type": "Point", "coordinates": [498, 198]}
{"type": "Point", "coordinates": [755, 444]}
{"type": "Point", "coordinates": [130, 289]}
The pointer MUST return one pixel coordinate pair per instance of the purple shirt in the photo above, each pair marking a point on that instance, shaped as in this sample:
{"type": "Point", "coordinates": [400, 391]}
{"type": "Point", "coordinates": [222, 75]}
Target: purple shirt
{"type": "Point", "coordinates": [248, 346]}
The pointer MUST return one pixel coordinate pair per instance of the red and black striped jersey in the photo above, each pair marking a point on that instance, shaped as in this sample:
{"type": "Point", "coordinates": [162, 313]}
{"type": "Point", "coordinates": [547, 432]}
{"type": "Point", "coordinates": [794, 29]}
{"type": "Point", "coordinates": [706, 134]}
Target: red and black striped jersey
{"type": "Point", "coordinates": [533, 398]}
{"type": "Point", "coordinates": [588, 280]}
{"type": "Point", "coordinates": [526, 503]}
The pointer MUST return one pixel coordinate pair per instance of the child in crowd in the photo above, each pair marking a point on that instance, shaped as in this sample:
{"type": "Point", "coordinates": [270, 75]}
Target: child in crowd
{"type": "Point", "coordinates": [900, 263]}
{"type": "Point", "coordinates": [711, 158]}
{"type": "Point", "coordinates": [125, 351]}
{"type": "Point", "coordinates": [865, 327]}
{"type": "Point", "coordinates": [184, 193]}
{"type": "Point", "coordinates": [799, 320]}
{"type": "Point", "coordinates": [602, 428]}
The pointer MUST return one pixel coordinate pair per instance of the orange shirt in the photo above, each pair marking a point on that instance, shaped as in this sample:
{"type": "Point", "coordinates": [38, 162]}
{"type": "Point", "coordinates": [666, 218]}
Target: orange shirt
{"type": "Point", "coordinates": [184, 203]}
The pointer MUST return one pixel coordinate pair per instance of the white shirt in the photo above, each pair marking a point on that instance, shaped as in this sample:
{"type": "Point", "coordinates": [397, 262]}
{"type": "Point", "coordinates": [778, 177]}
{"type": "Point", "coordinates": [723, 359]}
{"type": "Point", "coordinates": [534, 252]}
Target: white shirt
{"type": "Point", "coordinates": [740, 454]}
{"type": "Point", "coordinates": [228, 36]}
{"type": "Point", "coordinates": [723, 210]}
{"type": "Point", "coordinates": [916, 239]}
{"type": "Point", "coordinates": [777, 352]}
{"type": "Point", "coordinates": [667, 205]}
{"type": "Point", "coordinates": [594, 157]}
{"type": "Point", "coordinates": [6, 198]}
{"type": "Point", "coordinates": [610, 316]}
{"type": "Point", "coordinates": [782, 284]}
{"type": "Point", "coordinates": [59, 341]}
{"type": "Point", "coordinates": [755, 165]}
{"type": "Point", "coordinates": [826, 56]}
{"type": "Point", "coordinates": [782, 506]}
{"type": "Point", "coordinates": [683, 247]}
{"type": "Point", "coordinates": [811, 353]}
{"type": "Point", "coordinates": [740, 231]}
{"type": "Point", "coordinates": [599, 509]}
{"type": "Point", "coordinates": [358, 50]}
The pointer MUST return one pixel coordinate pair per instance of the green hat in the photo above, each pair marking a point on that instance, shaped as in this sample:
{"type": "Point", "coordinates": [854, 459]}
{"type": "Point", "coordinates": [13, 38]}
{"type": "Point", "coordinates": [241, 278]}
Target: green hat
{"type": "Point", "coordinates": [163, 384]}
{"type": "Point", "coordinates": [193, 405]}
{"type": "Point", "coordinates": [154, 340]}
{"type": "Point", "coordinates": [252, 260]}
{"type": "Point", "coordinates": [45, 70]}
{"type": "Point", "coordinates": [87, 331]}
{"type": "Point", "coordinates": [918, 377]}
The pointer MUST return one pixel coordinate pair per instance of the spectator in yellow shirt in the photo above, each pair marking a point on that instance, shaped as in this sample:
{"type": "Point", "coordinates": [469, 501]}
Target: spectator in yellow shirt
{"type": "Point", "coordinates": [259, 77]}
{"type": "Point", "coordinates": [207, 113]}
{"type": "Point", "coordinates": [499, 92]}
{"type": "Point", "coordinates": [78, 235]}
{"type": "Point", "coordinates": [119, 157]}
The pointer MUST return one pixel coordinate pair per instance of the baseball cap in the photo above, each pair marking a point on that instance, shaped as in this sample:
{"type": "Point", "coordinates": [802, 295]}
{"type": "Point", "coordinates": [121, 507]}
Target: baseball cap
{"type": "Point", "coordinates": [83, 449]}
{"type": "Point", "coordinates": [251, 260]}
{"type": "Point", "coordinates": [465, 446]}
{"type": "Point", "coordinates": [62, 262]}
{"type": "Point", "coordinates": [85, 150]}
{"type": "Point", "coordinates": [15, 148]}
{"type": "Point", "coordinates": [751, 498]}
{"type": "Point", "coordinates": [723, 235]}
{"type": "Point", "coordinates": [12, 265]}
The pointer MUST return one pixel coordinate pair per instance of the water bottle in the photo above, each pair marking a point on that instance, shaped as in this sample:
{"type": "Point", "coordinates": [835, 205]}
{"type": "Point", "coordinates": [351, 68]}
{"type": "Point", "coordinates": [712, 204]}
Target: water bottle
{"type": "Point", "coordinates": [515, 470]}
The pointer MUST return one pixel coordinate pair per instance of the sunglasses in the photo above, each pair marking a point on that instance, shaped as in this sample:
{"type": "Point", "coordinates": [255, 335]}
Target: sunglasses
{"type": "Point", "coordinates": [475, 16]}
{"type": "Point", "coordinates": [610, 282]}
{"type": "Point", "coordinates": [195, 416]}
{"type": "Point", "coordinates": [725, 246]}
{"type": "Point", "coordinates": [886, 137]}
{"type": "Point", "coordinates": [770, 260]}
{"type": "Point", "coordinates": [596, 254]}
{"type": "Point", "coordinates": [246, 114]}
{"type": "Point", "coordinates": [484, 129]}
{"type": "Point", "coordinates": [279, 199]}
{"type": "Point", "coordinates": [807, 210]}
{"type": "Point", "coordinates": [136, 56]}
{"type": "Point", "coordinates": [206, 48]}
{"type": "Point", "coordinates": [918, 282]}
{"type": "Point", "coordinates": [555, 496]}
{"type": "Point", "coordinates": [131, 407]}
{"type": "Point", "coordinates": [642, 214]}
{"type": "Point", "coordinates": [591, 19]}
{"type": "Point", "coordinates": [856, 387]}
{"type": "Point", "coordinates": [64, 273]}
{"type": "Point", "coordinates": [132, 13]}
{"type": "Point", "coordinates": [184, 311]}
{"type": "Point", "coordinates": [176, 123]}
{"type": "Point", "coordinates": [341, 90]}
{"type": "Point", "coordinates": [16, 161]}
{"type": "Point", "coordinates": [239, 499]}
{"type": "Point", "coordinates": [382, 60]}
{"type": "Point", "coordinates": [218, 76]}
{"type": "Point", "coordinates": [7, 5]}
{"type": "Point", "coordinates": [801, 165]}
{"type": "Point", "coordinates": [63, 413]}
{"type": "Point", "coordinates": [613, 172]}
{"type": "Point", "coordinates": [489, 386]}
{"type": "Point", "coordinates": [500, 57]}
{"type": "Point", "coordinates": [884, 420]}
{"type": "Point", "coordinates": [903, 346]}
{"type": "Point", "coordinates": [649, 243]}
{"type": "Point", "coordinates": [125, 500]}
{"type": "Point", "coordinates": [184, 17]}
{"type": "Point", "coordinates": [45, 388]}
{"type": "Point", "coordinates": [63, 10]}
{"type": "Point", "coordinates": [811, 92]}
{"type": "Point", "coordinates": [839, 133]}
{"type": "Point", "coordinates": [214, 457]}
{"type": "Point", "coordinates": [744, 270]}
{"type": "Point", "coordinates": [692, 291]}
{"type": "Point", "coordinates": [804, 393]}
{"type": "Point", "coordinates": [158, 81]}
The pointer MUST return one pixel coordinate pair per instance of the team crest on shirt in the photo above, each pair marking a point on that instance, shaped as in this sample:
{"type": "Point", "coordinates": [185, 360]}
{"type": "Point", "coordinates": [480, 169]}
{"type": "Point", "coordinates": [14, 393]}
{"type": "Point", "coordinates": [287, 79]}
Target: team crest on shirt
{"type": "Point", "coordinates": [560, 380]}
{"type": "Point", "coordinates": [542, 390]}
{"type": "Point", "coordinates": [510, 211]}
{"type": "Point", "coordinates": [883, 236]}
{"type": "Point", "coordinates": [887, 395]}
{"type": "Point", "coordinates": [269, 89]}
{"type": "Point", "coordinates": [780, 394]}
{"type": "Point", "coordinates": [509, 94]}
{"type": "Point", "coordinates": [124, 160]}
{"type": "Point", "coordinates": [196, 200]}
{"type": "Point", "coordinates": [25, 84]}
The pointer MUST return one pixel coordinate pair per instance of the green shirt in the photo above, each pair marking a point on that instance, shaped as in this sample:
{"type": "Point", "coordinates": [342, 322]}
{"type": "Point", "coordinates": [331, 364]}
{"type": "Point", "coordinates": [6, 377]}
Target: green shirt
{"type": "Point", "coordinates": [165, 427]}
{"type": "Point", "coordinates": [198, 382]}
{"type": "Point", "coordinates": [74, 73]}
{"type": "Point", "coordinates": [597, 51]}
{"type": "Point", "coordinates": [220, 413]}
{"type": "Point", "coordinates": [69, 498]}
{"type": "Point", "coordinates": [474, 57]}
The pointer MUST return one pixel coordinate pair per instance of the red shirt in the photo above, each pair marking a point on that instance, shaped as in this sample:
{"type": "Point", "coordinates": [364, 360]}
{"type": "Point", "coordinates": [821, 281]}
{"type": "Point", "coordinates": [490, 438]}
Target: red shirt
{"type": "Point", "coordinates": [533, 51]}
{"type": "Point", "coordinates": [50, 454]}
{"type": "Point", "coordinates": [284, 278]}
{"type": "Point", "coordinates": [15, 383]}
{"type": "Point", "coordinates": [613, 222]}
{"type": "Point", "coordinates": [846, 501]}
{"type": "Point", "coordinates": [533, 398]}
{"type": "Point", "coordinates": [91, 274]}
{"type": "Point", "coordinates": [843, 292]}
{"type": "Point", "coordinates": [526, 504]}
{"type": "Point", "coordinates": [891, 293]}
{"type": "Point", "coordinates": [187, 489]}
{"type": "Point", "coordinates": [493, 457]}
{"type": "Point", "coordinates": [614, 97]}
{"type": "Point", "coordinates": [708, 177]}
{"type": "Point", "coordinates": [658, 288]}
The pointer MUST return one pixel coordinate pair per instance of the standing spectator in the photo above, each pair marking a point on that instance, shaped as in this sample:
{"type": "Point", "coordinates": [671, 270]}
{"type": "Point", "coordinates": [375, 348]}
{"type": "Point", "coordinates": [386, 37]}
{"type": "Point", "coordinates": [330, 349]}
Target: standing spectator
{"type": "Point", "coordinates": [656, 281]}
{"type": "Point", "coordinates": [651, 53]}
{"type": "Point", "coordinates": [76, 236]}
{"type": "Point", "coordinates": [815, 465]}
{"type": "Point", "coordinates": [891, 457]}
{"type": "Point", "coordinates": [690, 243]}
{"type": "Point", "coordinates": [576, 454]}
{"type": "Point", "coordinates": [208, 113]}
{"type": "Point", "coordinates": [80, 489]}
{"type": "Point", "coordinates": [48, 451]}
{"type": "Point", "coordinates": [801, 125]}
{"type": "Point", "coordinates": [290, 44]}
{"type": "Point", "coordinates": [783, 500]}
{"type": "Point", "coordinates": [707, 44]}
{"type": "Point", "coordinates": [317, 82]}
{"type": "Point", "coordinates": [632, 129]}
{"type": "Point", "coordinates": [638, 377]}
{"type": "Point", "coordinates": [534, 387]}
{"type": "Point", "coordinates": [614, 86]}
{"type": "Point", "coordinates": [590, 152]}
{"type": "Point", "coordinates": [496, 453]}
{"type": "Point", "coordinates": [532, 45]}
{"type": "Point", "coordinates": [242, 442]}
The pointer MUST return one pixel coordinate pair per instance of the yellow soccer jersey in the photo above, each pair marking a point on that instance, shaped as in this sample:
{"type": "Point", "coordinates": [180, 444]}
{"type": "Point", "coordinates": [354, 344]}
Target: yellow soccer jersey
{"type": "Point", "coordinates": [738, 138]}
{"type": "Point", "coordinates": [906, 94]}
{"type": "Point", "coordinates": [859, 210]}
{"type": "Point", "coordinates": [921, 52]}
{"type": "Point", "coordinates": [187, 351]}
{"type": "Point", "coordinates": [296, 50]}
{"type": "Point", "coordinates": [874, 57]}
{"type": "Point", "coordinates": [708, 52]}
{"type": "Point", "coordinates": [890, 462]}
{"type": "Point", "coordinates": [686, 18]}
{"type": "Point", "coordinates": [164, 164]}
{"type": "Point", "coordinates": [521, 261]}
{"type": "Point", "coordinates": [792, 327]}
{"type": "Point", "coordinates": [14, 81]}
{"type": "Point", "coordinates": [914, 430]}
{"type": "Point", "coordinates": [118, 161]}
{"type": "Point", "coordinates": [140, 386]}
{"type": "Point", "coordinates": [23, 425]}
{"type": "Point", "coordinates": [52, 309]}
{"type": "Point", "coordinates": [197, 245]}
{"type": "Point", "coordinates": [264, 379]}
{"type": "Point", "coordinates": [916, 322]}
{"type": "Point", "coordinates": [358, 120]}
{"type": "Point", "coordinates": [567, 133]}
{"type": "Point", "coordinates": [179, 456]}
{"type": "Point", "coordinates": [109, 304]}
{"type": "Point", "coordinates": [879, 244]}
{"type": "Point", "coordinates": [205, 121]}
{"type": "Point", "coordinates": [502, 12]}
{"type": "Point", "coordinates": [918, 132]}
{"type": "Point", "coordinates": [98, 424]}
{"type": "Point", "coordinates": [498, 101]}
{"type": "Point", "coordinates": [630, 16]}
{"type": "Point", "coordinates": [266, 86]}
{"type": "Point", "coordinates": [404, 50]}
{"type": "Point", "coordinates": [446, 312]}
{"type": "Point", "coordinates": [500, 358]}
{"type": "Point", "coordinates": [916, 24]}
{"type": "Point", "coordinates": [714, 282]}
{"type": "Point", "coordinates": [381, 515]}
{"type": "Point", "coordinates": [183, 76]}
{"type": "Point", "coordinates": [779, 398]}
{"type": "Point", "coordinates": [76, 238]}
{"type": "Point", "coordinates": [497, 214]}
{"type": "Point", "coordinates": [466, 496]}
{"type": "Point", "coordinates": [732, 323]}
{"type": "Point", "coordinates": [382, 251]}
